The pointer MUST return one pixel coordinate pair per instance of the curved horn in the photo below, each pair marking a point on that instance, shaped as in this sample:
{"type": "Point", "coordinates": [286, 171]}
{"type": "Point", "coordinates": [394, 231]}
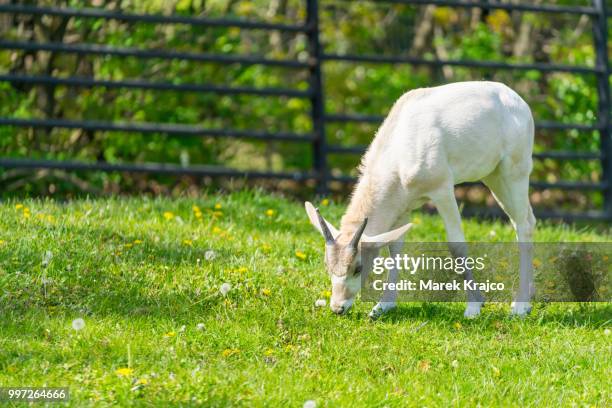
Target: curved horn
{"type": "Point", "coordinates": [329, 238]}
{"type": "Point", "coordinates": [355, 241]}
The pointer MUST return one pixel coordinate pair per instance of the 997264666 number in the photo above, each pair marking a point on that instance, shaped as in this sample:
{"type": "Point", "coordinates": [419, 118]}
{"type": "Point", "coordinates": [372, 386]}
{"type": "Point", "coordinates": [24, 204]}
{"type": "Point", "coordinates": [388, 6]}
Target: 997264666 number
{"type": "Point", "coordinates": [34, 394]}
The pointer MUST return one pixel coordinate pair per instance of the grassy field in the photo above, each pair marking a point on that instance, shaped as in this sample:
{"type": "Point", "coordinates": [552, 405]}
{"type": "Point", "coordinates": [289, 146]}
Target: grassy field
{"type": "Point", "coordinates": [145, 277]}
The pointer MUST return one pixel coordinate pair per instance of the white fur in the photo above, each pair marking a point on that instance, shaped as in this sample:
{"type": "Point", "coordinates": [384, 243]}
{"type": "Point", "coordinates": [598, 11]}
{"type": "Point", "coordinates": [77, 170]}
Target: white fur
{"type": "Point", "coordinates": [433, 139]}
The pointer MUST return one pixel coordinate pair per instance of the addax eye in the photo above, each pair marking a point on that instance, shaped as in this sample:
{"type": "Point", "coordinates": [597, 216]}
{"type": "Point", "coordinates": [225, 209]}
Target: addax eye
{"type": "Point", "coordinates": [357, 270]}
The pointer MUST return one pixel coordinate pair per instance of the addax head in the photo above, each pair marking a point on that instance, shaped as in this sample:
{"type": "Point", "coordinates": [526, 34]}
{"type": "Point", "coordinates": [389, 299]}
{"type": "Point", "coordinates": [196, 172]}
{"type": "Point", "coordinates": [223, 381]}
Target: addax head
{"type": "Point", "coordinates": [342, 260]}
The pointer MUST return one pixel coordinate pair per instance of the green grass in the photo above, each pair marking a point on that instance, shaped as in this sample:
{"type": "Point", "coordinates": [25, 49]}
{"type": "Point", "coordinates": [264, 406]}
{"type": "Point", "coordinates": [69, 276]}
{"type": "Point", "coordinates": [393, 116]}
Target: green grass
{"type": "Point", "coordinates": [142, 283]}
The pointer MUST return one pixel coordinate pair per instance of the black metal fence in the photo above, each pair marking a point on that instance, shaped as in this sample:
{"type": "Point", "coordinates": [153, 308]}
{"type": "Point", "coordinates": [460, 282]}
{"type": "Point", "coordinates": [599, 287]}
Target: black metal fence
{"type": "Point", "coordinates": [317, 57]}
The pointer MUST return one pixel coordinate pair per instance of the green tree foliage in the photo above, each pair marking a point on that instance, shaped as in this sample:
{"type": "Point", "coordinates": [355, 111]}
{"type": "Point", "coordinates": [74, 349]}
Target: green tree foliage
{"type": "Point", "coordinates": [364, 28]}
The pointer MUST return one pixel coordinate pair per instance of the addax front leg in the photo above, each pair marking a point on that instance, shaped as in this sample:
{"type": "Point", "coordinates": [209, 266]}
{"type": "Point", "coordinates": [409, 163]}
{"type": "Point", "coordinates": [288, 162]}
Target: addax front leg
{"type": "Point", "coordinates": [389, 299]}
{"type": "Point", "coordinates": [447, 207]}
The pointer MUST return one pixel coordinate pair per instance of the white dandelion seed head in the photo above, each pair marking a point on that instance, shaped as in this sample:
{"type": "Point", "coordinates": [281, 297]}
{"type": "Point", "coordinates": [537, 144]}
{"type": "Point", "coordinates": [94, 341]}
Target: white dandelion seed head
{"type": "Point", "coordinates": [210, 255]}
{"type": "Point", "coordinates": [47, 258]}
{"type": "Point", "coordinates": [200, 326]}
{"type": "Point", "coordinates": [310, 404]}
{"type": "Point", "coordinates": [320, 303]}
{"type": "Point", "coordinates": [492, 234]}
{"type": "Point", "coordinates": [78, 324]}
{"type": "Point", "coordinates": [454, 364]}
{"type": "Point", "coordinates": [225, 288]}
{"type": "Point", "coordinates": [182, 329]}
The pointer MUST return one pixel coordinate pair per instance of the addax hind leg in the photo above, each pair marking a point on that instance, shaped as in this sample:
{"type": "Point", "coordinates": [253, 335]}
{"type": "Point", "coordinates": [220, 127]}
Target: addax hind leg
{"type": "Point", "coordinates": [510, 187]}
{"type": "Point", "coordinates": [445, 202]}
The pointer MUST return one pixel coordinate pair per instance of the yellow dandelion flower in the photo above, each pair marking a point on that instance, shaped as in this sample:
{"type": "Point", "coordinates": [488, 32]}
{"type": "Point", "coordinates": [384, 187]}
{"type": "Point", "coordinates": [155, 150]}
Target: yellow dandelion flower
{"type": "Point", "coordinates": [266, 292]}
{"type": "Point", "coordinates": [198, 215]}
{"type": "Point", "coordinates": [18, 206]}
{"type": "Point", "coordinates": [457, 325]}
{"type": "Point", "coordinates": [290, 347]}
{"type": "Point", "coordinates": [218, 206]}
{"type": "Point", "coordinates": [417, 220]}
{"type": "Point", "coordinates": [326, 293]}
{"type": "Point", "coordinates": [270, 212]}
{"type": "Point", "coordinates": [217, 214]}
{"type": "Point", "coordinates": [496, 371]}
{"type": "Point", "coordinates": [142, 381]}
{"type": "Point", "coordinates": [242, 269]}
{"type": "Point", "coordinates": [2, 241]}
{"type": "Point", "coordinates": [170, 334]}
{"type": "Point", "coordinates": [26, 214]}
{"type": "Point", "coordinates": [266, 247]}
{"type": "Point", "coordinates": [605, 257]}
{"type": "Point", "coordinates": [137, 242]}
{"type": "Point", "coordinates": [325, 202]}
{"type": "Point", "coordinates": [268, 352]}
{"type": "Point", "coordinates": [168, 215]}
{"type": "Point", "coordinates": [196, 209]}
{"type": "Point", "coordinates": [537, 263]}
{"type": "Point", "coordinates": [217, 230]}
{"type": "Point", "coordinates": [128, 245]}
{"type": "Point", "coordinates": [187, 242]}
{"type": "Point", "coordinates": [230, 352]}
{"type": "Point", "coordinates": [300, 255]}
{"type": "Point", "coordinates": [124, 372]}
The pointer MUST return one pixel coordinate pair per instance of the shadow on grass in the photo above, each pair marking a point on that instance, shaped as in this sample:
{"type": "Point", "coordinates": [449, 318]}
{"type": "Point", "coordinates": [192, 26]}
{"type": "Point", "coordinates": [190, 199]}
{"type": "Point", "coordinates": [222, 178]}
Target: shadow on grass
{"type": "Point", "coordinates": [591, 315]}
{"type": "Point", "coordinates": [106, 284]}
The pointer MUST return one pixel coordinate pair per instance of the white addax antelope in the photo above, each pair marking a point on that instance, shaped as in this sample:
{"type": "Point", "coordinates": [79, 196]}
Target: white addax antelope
{"type": "Point", "coordinates": [433, 139]}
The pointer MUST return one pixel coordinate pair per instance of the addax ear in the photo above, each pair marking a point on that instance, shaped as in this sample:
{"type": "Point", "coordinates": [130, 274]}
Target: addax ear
{"type": "Point", "coordinates": [387, 237]}
{"type": "Point", "coordinates": [314, 220]}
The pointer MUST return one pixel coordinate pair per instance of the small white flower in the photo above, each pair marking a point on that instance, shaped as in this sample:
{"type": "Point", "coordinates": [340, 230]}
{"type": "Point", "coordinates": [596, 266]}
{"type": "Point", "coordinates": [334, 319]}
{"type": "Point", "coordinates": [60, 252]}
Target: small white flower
{"type": "Point", "coordinates": [492, 234]}
{"type": "Point", "coordinates": [182, 329]}
{"type": "Point", "coordinates": [607, 332]}
{"type": "Point", "coordinates": [320, 303]}
{"type": "Point", "coordinates": [78, 324]}
{"type": "Point", "coordinates": [455, 364]}
{"type": "Point", "coordinates": [200, 326]}
{"type": "Point", "coordinates": [210, 255]}
{"type": "Point", "coordinates": [225, 288]}
{"type": "Point", "coordinates": [280, 270]}
{"type": "Point", "coordinates": [310, 404]}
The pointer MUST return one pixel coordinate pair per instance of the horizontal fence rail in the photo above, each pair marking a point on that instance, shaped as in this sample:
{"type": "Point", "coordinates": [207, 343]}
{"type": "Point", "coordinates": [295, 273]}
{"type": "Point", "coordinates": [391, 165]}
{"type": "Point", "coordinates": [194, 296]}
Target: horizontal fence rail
{"type": "Point", "coordinates": [159, 86]}
{"type": "Point", "coordinates": [381, 59]}
{"type": "Point", "coordinates": [148, 18]}
{"type": "Point", "coordinates": [165, 128]}
{"type": "Point", "coordinates": [100, 49]}
{"type": "Point", "coordinates": [160, 168]}
{"type": "Point", "coordinates": [542, 8]}
{"type": "Point", "coordinates": [317, 57]}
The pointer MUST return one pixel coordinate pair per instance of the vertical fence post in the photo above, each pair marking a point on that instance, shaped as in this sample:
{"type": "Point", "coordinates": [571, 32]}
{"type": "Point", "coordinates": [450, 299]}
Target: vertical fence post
{"type": "Point", "coordinates": [316, 99]}
{"type": "Point", "coordinates": [600, 37]}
